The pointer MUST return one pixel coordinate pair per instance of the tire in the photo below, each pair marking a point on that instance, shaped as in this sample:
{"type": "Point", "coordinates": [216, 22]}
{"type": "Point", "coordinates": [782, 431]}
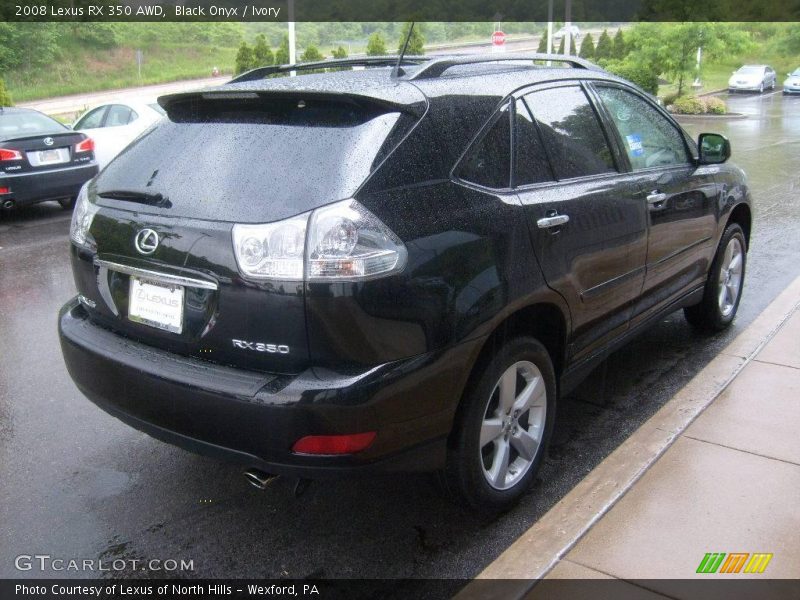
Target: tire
{"type": "Point", "coordinates": [474, 474]}
{"type": "Point", "coordinates": [716, 312]}
{"type": "Point", "coordinates": [67, 203]}
{"type": "Point", "coordinates": [761, 89]}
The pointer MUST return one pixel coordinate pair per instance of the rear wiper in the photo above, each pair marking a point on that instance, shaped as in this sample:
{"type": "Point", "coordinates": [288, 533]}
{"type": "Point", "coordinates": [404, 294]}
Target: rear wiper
{"type": "Point", "coordinates": [154, 199]}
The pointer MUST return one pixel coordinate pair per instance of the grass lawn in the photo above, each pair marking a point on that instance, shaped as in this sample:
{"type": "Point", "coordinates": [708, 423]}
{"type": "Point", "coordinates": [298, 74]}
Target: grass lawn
{"type": "Point", "coordinates": [91, 71]}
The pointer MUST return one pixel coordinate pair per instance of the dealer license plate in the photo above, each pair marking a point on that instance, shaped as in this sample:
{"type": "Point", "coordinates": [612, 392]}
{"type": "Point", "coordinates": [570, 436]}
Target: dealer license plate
{"type": "Point", "coordinates": [156, 305]}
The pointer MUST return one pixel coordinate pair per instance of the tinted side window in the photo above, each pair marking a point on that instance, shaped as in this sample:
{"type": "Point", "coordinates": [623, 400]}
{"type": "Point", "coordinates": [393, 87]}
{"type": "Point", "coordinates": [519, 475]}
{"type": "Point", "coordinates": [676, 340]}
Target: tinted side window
{"type": "Point", "coordinates": [92, 119]}
{"type": "Point", "coordinates": [489, 162]}
{"type": "Point", "coordinates": [648, 137]}
{"type": "Point", "coordinates": [572, 134]}
{"type": "Point", "coordinates": [530, 159]}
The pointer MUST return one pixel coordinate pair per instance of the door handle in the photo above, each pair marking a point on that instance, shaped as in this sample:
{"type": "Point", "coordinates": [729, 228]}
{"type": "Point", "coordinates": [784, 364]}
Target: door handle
{"type": "Point", "coordinates": [655, 200]}
{"type": "Point", "coordinates": [554, 221]}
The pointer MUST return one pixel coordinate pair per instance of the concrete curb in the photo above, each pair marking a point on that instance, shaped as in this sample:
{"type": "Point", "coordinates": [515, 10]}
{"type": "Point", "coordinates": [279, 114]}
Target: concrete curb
{"type": "Point", "coordinates": [725, 117]}
{"type": "Point", "coordinates": [537, 551]}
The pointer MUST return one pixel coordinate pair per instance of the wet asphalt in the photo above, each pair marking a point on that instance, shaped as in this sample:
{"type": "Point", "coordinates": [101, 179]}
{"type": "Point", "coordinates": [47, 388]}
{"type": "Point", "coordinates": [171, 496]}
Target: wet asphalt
{"type": "Point", "coordinates": [76, 483]}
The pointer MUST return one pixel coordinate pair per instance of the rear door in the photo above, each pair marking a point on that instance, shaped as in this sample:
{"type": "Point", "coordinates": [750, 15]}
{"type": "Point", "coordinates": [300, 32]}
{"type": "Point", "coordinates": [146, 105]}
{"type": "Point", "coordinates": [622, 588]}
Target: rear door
{"type": "Point", "coordinates": [679, 197]}
{"type": "Point", "coordinates": [589, 231]}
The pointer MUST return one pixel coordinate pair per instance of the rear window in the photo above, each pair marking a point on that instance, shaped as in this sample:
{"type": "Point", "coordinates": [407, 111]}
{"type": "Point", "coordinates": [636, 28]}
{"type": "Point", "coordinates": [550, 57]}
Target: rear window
{"type": "Point", "coordinates": [489, 162]}
{"type": "Point", "coordinates": [27, 123]}
{"type": "Point", "coordinates": [254, 160]}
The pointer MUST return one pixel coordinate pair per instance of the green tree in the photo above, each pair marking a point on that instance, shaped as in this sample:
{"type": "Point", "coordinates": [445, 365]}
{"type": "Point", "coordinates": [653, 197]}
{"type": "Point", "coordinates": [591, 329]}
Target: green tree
{"type": "Point", "coordinates": [605, 47]}
{"type": "Point", "coordinates": [282, 53]}
{"type": "Point", "coordinates": [670, 49]}
{"type": "Point", "coordinates": [573, 51]}
{"type": "Point", "coordinates": [262, 53]}
{"type": "Point", "coordinates": [587, 47]}
{"type": "Point", "coordinates": [542, 43]}
{"type": "Point", "coordinates": [5, 97]}
{"type": "Point", "coordinates": [416, 45]}
{"type": "Point", "coordinates": [619, 50]}
{"type": "Point", "coordinates": [244, 59]}
{"type": "Point", "coordinates": [311, 54]}
{"type": "Point", "coordinates": [340, 52]}
{"type": "Point", "coordinates": [376, 45]}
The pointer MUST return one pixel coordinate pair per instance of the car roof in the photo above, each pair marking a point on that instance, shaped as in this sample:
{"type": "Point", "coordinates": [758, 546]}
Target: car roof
{"type": "Point", "coordinates": [485, 79]}
{"type": "Point", "coordinates": [18, 109]}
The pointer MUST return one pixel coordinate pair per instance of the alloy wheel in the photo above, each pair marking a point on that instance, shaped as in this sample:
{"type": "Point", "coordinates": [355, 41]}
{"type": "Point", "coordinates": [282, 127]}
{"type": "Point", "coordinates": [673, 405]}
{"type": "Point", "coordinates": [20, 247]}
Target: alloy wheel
{"type": "Point", "coordinates": [730, 276]}
{"type": "Point", "coordinates": [513, 425]}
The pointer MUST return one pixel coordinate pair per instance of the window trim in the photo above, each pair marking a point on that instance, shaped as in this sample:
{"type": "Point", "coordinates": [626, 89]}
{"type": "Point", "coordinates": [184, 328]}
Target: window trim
{"type": "Point", "coordinates": [691, 156]}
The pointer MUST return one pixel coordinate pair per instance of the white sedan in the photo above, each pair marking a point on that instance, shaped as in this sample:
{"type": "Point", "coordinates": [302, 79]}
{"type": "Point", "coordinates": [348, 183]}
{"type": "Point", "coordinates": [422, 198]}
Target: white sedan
{"type": "Point", "coordinates": [114, 126]}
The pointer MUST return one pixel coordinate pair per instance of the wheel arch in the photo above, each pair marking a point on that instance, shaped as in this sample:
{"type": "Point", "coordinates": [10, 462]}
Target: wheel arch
{"type": "Point", "coordinates": [546, 321]}
{"type": "Point", "coordinates": [742, 215]}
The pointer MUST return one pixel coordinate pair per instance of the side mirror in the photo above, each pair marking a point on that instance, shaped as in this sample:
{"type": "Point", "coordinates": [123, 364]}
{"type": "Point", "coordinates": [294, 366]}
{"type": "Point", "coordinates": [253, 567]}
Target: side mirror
{"type": "Point", "coordinates": [714, 148]}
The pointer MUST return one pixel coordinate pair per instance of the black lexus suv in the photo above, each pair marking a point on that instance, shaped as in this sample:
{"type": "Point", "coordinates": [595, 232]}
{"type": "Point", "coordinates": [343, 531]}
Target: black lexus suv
{"type": "Point", "coordinates": [393, 268]}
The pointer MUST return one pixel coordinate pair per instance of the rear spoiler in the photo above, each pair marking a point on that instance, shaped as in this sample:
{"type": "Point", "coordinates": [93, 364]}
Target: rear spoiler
{"type": "Point", "coordinates": [409, 100]}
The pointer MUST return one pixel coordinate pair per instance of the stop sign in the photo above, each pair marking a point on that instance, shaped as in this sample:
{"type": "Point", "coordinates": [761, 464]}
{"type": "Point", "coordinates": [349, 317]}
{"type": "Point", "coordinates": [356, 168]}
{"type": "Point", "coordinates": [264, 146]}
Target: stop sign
{"type": "Point", "coordinates": [498, 38]}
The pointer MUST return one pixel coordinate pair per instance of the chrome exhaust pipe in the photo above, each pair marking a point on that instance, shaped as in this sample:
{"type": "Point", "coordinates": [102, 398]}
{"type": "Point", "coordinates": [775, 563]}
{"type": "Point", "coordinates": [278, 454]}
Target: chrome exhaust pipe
{"type": "Point", "coordinates": [259, 479]}
{"type": "Point", "coordinates": [8, 204]}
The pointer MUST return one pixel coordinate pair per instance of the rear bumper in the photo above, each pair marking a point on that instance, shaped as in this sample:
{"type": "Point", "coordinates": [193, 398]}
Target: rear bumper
{"type": "Point", "coordinates": [31, 187]}
{"type": "Point", "coordinates": [255, 418]}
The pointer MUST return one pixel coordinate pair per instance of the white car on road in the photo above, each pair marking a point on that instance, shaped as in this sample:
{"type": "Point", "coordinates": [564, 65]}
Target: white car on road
{"type": "Point", "coordinates": [792, 83]}
{"type": "Point", "coordinates": [114, 126]}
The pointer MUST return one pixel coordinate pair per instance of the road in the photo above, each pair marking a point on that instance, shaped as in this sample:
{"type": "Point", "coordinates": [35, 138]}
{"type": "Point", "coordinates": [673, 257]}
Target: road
{"type": "Point", "coordinates": [77, 483]}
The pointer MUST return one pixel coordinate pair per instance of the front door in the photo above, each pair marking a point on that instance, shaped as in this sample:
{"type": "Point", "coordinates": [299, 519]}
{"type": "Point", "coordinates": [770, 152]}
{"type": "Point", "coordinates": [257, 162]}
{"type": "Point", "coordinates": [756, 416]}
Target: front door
{"type": "Point", "coordinates": [680, 197]}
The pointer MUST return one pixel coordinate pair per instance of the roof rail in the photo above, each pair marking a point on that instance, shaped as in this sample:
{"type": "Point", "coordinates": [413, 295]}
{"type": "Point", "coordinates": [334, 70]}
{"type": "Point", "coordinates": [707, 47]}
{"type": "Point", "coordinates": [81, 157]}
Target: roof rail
{"type": "Point", "coordinates": [437, 66]}
{"type": "Point", "coordinates": [368, 61]}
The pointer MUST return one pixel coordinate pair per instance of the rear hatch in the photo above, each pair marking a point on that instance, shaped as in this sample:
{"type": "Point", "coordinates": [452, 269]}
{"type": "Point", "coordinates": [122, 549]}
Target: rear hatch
{"type": "Point", "coordinates": [217, 160]}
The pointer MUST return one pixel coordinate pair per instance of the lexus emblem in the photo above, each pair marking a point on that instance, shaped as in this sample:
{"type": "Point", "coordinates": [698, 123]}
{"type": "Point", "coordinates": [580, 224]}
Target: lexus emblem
{"type": "Point", "coordinates": [48, 141]}
{"type": "Point", "coordinates": [146, 241]}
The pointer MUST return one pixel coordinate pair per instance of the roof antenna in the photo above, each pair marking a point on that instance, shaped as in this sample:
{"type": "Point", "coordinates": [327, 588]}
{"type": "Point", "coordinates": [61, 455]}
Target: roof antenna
{"type": "Point", "coordinates": [398, 70]}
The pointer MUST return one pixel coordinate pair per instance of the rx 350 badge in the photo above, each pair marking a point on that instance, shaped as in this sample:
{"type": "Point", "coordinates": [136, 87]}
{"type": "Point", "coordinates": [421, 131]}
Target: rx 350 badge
{"type": "Point", "coordinates": [261, 347]}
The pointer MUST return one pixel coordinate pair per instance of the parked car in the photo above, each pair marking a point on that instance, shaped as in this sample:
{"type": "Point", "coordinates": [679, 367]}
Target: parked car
{"type": "Point", "coordinates": [41, 159]}
{"type": "Point", "coordinates": [752, 78]}
{"type": "Point", "coordinates": [792, 83]}
{"type": "Point", "coordinates": [356, 271]}
{"type": "Point", "coordinates": [114, 126]}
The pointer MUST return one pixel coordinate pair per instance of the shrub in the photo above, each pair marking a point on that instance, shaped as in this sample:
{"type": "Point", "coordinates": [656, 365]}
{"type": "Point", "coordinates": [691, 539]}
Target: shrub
{"type": "Point", "coordinates": [642, 75]}
{"type": "Point", "coordinates": [715, 106]}
{"type": "Point", "coordinates": [5, 97]}
{"type": "Point", "coordinates": [669, 99]}
{"type": "Point", "coordinates": [688, 105]}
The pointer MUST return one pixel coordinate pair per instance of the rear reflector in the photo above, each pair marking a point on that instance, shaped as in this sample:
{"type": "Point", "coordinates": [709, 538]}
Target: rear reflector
{"type": "Point", "coordinates": [334, 444]}
{"type": "Point", "coordinates": [86, 145]}
{"type": "Point", "coordinates": [6, 154]}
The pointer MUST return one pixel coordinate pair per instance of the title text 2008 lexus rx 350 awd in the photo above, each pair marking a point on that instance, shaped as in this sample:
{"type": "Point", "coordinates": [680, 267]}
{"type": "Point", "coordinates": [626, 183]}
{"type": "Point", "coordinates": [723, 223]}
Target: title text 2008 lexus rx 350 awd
{"type": "Point", "coordinates": [393, 268]}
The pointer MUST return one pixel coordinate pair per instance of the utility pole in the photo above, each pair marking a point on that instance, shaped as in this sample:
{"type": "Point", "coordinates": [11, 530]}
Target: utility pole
{"type": "Point", "coordinates": [567, 26]}
{"type": "Point", "coordinates": [292, 51]}
{"type": "Point", "coordinates": [550, 26]}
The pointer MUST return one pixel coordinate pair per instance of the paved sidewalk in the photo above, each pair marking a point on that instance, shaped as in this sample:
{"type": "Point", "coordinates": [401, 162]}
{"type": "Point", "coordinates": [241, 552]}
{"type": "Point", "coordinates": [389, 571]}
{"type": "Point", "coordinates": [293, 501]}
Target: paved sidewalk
{"type": "Point", "coordinates": [715, 470]}
{"type": "Point", "coordinates": [730, 483]}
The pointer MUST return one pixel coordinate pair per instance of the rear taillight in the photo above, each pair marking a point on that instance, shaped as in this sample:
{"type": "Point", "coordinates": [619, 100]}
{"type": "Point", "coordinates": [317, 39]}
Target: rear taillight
{"type": "Point", "coordinates": [82, 217]}
{"type": "Point", "coordinates": [6, 154]}
{"type": "Point", "coordinates": [5, 190]}
{"type": "Point", "coordinates": [86, 145]}
{"type": "Point", "coordinates": [334, 444]}
{"type": "Point", "coordinates": [339, 242]}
